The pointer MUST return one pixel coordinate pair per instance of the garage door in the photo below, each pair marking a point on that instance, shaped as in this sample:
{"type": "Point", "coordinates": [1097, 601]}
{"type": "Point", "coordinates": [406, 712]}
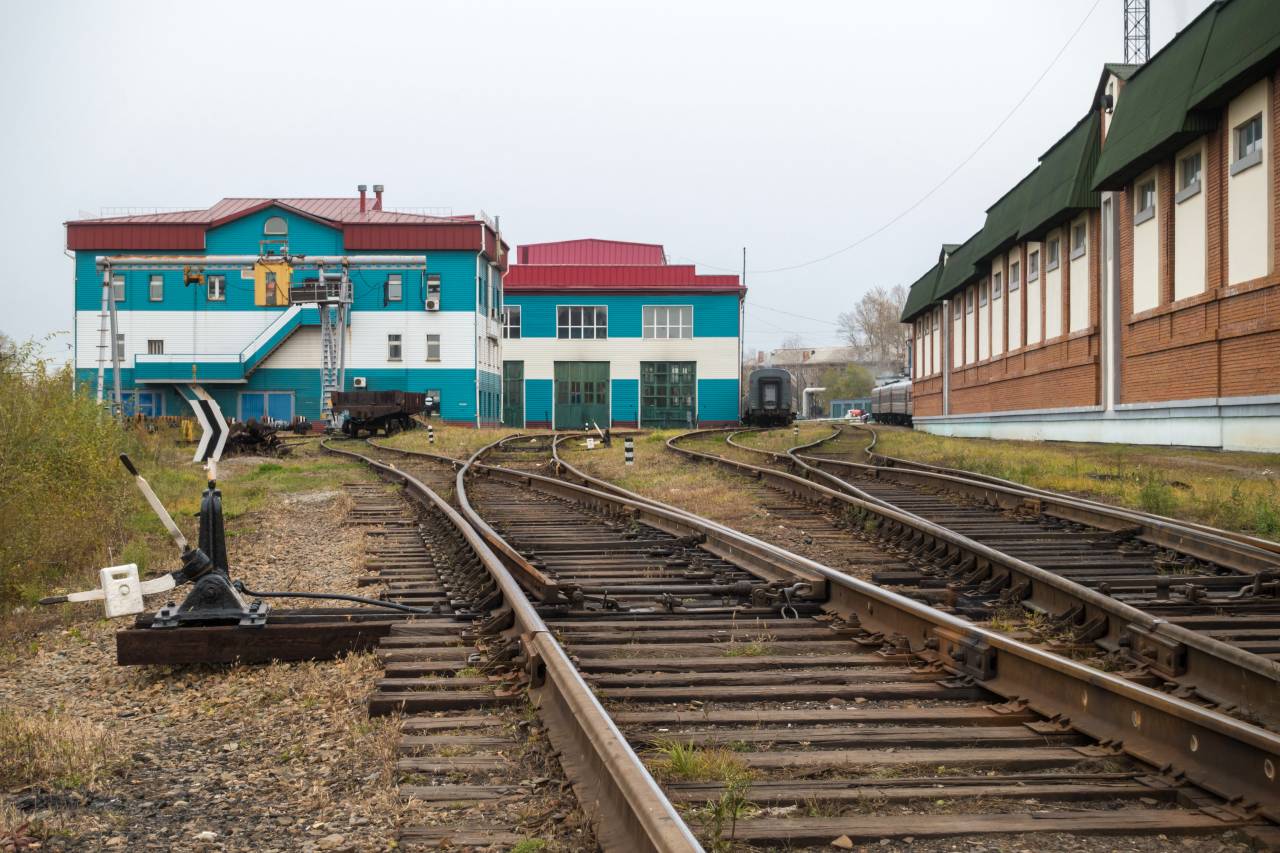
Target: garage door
{"type": "Point", "coordinates": [582, 394]}
{"type": "Point", "coordinates": [513, 394]}
{"type": "Point", "coordinates": [266, 405]}
{"type": "Point", "coordinates": [667, 393]}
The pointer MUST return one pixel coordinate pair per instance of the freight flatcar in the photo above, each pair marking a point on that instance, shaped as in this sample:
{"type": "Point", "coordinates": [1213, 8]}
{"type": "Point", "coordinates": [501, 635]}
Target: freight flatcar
{"type": "Point", "coordinates": [891, 403]}
{"type": "Point", "coordinates": [370, 411]}
{"type": "Point", "coordinates": [769, 397]}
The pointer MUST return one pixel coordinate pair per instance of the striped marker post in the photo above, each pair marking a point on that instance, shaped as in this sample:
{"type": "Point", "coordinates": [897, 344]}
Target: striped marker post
{"type": "Point", "coordinates": [795, 431]}
{"type": "Point", "coordinates": [431, 434]}
{"type": "Point", "coordinates": [629, 450]}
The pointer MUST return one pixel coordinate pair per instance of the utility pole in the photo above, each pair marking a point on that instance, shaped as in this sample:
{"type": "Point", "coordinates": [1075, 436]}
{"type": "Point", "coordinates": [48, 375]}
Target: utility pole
{"type": "Point", "coordinates": [1137, 31]}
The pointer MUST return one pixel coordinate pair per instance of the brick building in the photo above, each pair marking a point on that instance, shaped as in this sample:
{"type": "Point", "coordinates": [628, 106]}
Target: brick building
{"type": "Point", "coordinates": [1128, 288]}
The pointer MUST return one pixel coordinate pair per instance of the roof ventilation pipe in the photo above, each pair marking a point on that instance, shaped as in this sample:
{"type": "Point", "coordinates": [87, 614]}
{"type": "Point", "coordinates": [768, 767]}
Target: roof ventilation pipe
{"type": "Point", "coordinates": [377, 196]}
{"type": "Point", "coordinates": [363, 189]}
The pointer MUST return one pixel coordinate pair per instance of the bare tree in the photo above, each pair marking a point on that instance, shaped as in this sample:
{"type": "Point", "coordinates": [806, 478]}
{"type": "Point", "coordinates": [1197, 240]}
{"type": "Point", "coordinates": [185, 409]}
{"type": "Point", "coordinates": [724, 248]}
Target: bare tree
{"type": "Point", "coordinates": [792, 341]}
{"type": "Point", "coordinates": [873, 325]}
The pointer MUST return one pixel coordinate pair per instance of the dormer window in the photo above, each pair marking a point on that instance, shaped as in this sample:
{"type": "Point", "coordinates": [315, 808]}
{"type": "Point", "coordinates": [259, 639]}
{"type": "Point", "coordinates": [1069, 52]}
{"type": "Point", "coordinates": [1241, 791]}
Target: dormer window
{"type": "Point", "coordinates": [276, 226]}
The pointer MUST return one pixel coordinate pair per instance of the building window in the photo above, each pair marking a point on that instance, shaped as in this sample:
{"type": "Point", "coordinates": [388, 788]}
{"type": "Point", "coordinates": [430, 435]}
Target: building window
{"type": "Point", "coordinates": [1077, 240]}
{"type": "Point", "coordinates": [217, 291]}
{"type": "Point", "coordinates": [968, 301]}
{"type": "Point", "coordinates": [275, 226]}
{"type": "Point", "coordinates": [395, 288]}
{"type": "Point", "coordinates": [1248, 140]}
{"type": "Point", "coordinates": [1033, 267]}
{"type": "Point", "coordinates": [155, 290]}
{"type": "Point", "coordinates": [1052, 247]}
{"type": "Point", "coordinates": [1015, 276]}
{"type": "Point", "coordinates": [155, 347]}
{"type": "Point", "coordinates": [668, 321]}
{"type": "Point", "coordinates": [511, 322]}
{"type": "Point", "coordinates": [1145, 203]}
{"type": "Point", "coordinates": [272, 293]}
{"type": "Point", "coordinates": [1188, 177]}
{"type": "Point", "coordinates": [997, 286]}
{"type": "Point", "coordinates": [394, 349]}
{"type": "Point", "coordinates": [582, 322]}
{"type": "Point", "coordinates": [982, 295]}
{"type": "Point", "coordinates": [117, 288]}
{"type": "Point", "coordinates": [433, 347]}
{"type": "Point", "coordinates": [433, 292]}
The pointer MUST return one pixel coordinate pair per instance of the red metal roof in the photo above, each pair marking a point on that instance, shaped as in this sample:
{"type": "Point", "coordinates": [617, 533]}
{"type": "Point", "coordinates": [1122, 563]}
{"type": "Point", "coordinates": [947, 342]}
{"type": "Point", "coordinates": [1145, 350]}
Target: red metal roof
{"type": "Point", "coordinates": [592, 251]}
{"type": "Point", "coordinates": [370, 229]}
{"type": "Point", "coordinates": [644, 277]}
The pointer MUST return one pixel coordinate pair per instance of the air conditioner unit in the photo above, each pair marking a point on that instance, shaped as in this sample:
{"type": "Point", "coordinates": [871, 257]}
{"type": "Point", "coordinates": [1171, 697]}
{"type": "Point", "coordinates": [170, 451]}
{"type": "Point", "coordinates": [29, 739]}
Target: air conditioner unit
{"type": "Point", "coordinates": [433, 304]}
{"type": "Point", "coordinates": [359, 382]}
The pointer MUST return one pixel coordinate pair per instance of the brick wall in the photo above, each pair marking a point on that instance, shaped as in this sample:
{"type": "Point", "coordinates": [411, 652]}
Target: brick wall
{"type": "Point", "coordinates": [1224, 342]}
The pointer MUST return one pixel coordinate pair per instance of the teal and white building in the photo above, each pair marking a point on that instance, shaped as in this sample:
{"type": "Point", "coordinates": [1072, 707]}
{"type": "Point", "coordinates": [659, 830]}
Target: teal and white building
{"type": "Point", "coordinates": [606, 333]}
{"type": "Point", "coordinates": [225, 298]}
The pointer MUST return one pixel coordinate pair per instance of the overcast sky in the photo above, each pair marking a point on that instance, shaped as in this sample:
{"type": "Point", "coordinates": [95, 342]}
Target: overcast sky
{"type": "Point", "coordinates": [793, 129]}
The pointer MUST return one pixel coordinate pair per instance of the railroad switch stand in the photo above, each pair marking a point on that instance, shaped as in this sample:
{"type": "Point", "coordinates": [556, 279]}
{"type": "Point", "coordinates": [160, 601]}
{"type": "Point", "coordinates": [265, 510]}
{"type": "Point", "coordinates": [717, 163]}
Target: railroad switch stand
{"type": "Point", "coordinates": [212, 599]}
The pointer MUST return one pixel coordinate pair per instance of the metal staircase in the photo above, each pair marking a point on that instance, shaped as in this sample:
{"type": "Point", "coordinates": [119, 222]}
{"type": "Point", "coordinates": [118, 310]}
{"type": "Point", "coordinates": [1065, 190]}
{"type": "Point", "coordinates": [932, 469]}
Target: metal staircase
{"type": "Point", "coordinates": [333, 297]}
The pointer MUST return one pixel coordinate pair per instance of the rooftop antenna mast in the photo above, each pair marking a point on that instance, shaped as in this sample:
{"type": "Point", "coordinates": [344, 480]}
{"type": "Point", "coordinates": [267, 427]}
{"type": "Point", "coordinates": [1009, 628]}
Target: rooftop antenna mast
{"type": "Point", "coordinates": [1137, 31]}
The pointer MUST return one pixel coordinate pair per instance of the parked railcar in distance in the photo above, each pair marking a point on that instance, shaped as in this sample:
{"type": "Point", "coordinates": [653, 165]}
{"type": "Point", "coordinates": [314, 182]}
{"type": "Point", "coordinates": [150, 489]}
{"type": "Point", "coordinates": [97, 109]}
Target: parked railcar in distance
{"type": "Point", "coordinates": [891, 403]}
{"type": "Point", "coordinates": [769, 397]}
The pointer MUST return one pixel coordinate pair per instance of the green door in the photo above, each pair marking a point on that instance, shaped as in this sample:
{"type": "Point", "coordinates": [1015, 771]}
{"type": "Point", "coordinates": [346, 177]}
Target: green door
{"type": "Point", "coordinates": [667, 393]}
{"type": "Point", "coordinates": [513, 394]}
{"type": "Point", "coordinates": [582, 394]}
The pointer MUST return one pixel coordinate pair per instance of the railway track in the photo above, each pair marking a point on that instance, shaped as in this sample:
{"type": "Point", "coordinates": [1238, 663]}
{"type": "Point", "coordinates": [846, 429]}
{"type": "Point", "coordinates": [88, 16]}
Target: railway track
{"type": "Point", "coordinates": [784, 704]}
{"type": "Point", "coordinates": [1078, 587]}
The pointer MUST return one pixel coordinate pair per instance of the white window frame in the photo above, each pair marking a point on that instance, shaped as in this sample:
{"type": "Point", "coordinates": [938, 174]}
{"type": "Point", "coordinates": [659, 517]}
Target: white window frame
{"type": "Point", "coordinates": [652, 330]}
{"type": "Point", "coordinates": [968, 300]}
{"type": "Point", "coordinates": [1033, 266]}
{"type": "Point", "coordinates": [155, 346]}
{"type": "Point", "coordinates": [395, 347]}
{"type": "Point", "coordinates": [1015, 275]}
{"type": "Point", "coordinates": [395, 287]}
{"type": "Point", "coordinates": [1144, 202]}
{"type": "Point", "coordinates": [221, 282]}
{"type": "Point", "coordinates": [511, 322]}
{"type": "Point", "coordinates": [282, 231]}
{"type": "Point", "coordinates": [997, 285]}
{"type": "Point", "coordinates": [1246, 154]}
{"type": "Point", "coordinates": [599, 326]}
{"type": "Point", "coordinates": [1189, 187]}
{"type": "Point", "coordinates": [982, 295]}
{"type": "Point", "coordinates": [155, 281]}
{"type": "Point", "coordinates": [1078, 251]}
{"type": "Point", "coordinates": [1053, 248]}
{"type": "Point", "coordinates": [433, 342]}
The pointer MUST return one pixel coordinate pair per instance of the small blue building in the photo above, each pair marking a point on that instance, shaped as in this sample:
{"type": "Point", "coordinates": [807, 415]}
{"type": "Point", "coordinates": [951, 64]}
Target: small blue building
{"type": "Point", "coordinates": [608, 333]}
{"type": "Point", "coordinates": [211, 297]}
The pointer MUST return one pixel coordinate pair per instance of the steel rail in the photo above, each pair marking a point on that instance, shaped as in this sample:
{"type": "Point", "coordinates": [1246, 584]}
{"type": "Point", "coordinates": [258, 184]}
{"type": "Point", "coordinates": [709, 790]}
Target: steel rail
{"type": "Point", "coordinates": [1218, 671]}
{"type": "Point", "coordinates": [629, 810]}
{"type": "Point", "coordinates": [885, 461]}
{"type": "Point", "coordinates": [1195, 540]}
{"type": "Point", "coordinates": [1229, 757]}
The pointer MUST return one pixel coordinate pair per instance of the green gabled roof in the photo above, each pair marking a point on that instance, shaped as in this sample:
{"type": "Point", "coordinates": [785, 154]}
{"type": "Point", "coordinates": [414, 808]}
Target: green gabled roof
{"type": "Point", "coordinates": [959, 269]}
{"type": "Point", "coordinates": [1004, 219]}
{"type": "Point", "coordinates": [1245, 39]}
{"type": "Point", "coordinates": [1062, 183]}
{"type": "Point", "coordinates": [1152, 116]}
{"type": "Point", "coordinates": [921, 294]}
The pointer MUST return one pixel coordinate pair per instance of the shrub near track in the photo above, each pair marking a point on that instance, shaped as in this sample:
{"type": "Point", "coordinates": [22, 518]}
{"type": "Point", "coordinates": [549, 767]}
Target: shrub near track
{"type": "Point", "coordinates": [63, 493]}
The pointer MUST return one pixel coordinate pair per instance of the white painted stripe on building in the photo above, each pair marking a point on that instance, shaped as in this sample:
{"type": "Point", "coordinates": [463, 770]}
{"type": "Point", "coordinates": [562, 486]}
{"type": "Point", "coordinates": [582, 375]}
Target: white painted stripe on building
{"type": "Point", "coordinates": [211, 334]}
{"type": "Point", "coordinates": [717, 358]}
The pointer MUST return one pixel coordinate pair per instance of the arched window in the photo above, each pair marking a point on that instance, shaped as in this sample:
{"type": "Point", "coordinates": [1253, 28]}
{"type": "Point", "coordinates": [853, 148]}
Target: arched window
{"type": "Point", "coordinates": [276, 226]}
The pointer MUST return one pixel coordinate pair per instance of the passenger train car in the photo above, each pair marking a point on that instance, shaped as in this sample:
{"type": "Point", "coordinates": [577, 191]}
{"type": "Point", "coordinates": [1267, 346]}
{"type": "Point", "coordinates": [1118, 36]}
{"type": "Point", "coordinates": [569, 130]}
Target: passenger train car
{"type": "Point", "coordinates": [769, 392]}
{"type": "Point", "coordinates": [891, 403]}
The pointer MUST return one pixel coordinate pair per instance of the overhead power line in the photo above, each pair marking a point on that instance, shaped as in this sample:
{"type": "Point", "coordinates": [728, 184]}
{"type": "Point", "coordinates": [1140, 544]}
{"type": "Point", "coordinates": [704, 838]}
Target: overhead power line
{"type": "Point", "coordinates": [945, 180]}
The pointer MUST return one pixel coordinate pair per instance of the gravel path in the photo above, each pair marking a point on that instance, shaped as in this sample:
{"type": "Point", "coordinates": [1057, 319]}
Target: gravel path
{"type": "Point", "coordinates": [264, 758]}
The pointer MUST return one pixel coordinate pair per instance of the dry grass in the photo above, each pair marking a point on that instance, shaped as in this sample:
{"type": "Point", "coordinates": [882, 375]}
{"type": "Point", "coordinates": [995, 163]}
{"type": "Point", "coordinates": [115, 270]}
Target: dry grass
{"type": "Point", "coordinates": [55, 752]}
{"type": "Point", "coordinates": [663, 475]}
{"type": "Point", "coordinates": [783, 439]}
{"type": "Point", "coordinates": [1232, 490]}
{"type": "Point", "coordinates": [455, 441]}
